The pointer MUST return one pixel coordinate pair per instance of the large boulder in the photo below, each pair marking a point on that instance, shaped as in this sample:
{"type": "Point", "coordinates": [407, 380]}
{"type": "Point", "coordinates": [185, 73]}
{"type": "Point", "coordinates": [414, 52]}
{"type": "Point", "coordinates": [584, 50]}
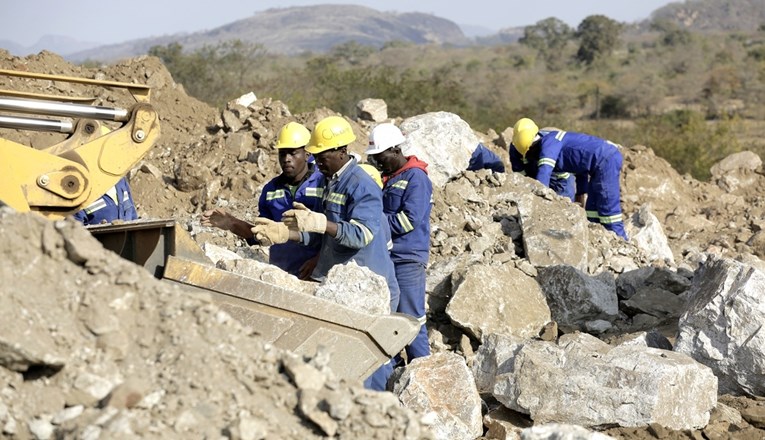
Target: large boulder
{"type": "Point", "coordinates": [582, 380]}
{"type": "Point", "coordinates": [722, 325]}
{"type": "Point", "coordinates": [498, 299]}
{"type": "Point", "coordinates": [441, 139]}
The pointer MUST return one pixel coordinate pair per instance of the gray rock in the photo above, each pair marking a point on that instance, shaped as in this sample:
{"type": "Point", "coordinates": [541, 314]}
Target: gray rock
{"type": "Point", "coordinates": [420, 387]}
{"type": "Point", "coordinates": [575, 297]}
{"type": "Point", "coordinates": [441, 139]}
{"type": "Point", "coordinates": [498, 299]}
{"type": "Point", "coordinates": [589, 383]}
{"type": "Point", "coordinates": [554, 231]}
{"type": "Point", "coordinates": [559, 431]}
{"type": "Point", "coordinates": [645, 232]}
{"type": "Point", "coordinates": [374, 110]}
{"type": "Point", "coordinates": [722, 325]}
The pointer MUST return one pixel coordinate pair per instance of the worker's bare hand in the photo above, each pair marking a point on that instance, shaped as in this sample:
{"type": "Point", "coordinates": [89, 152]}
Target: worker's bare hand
{"type": "Point", "coordinates": [307, 268]}
{"type": "Point", "coordinates": [219, 218]}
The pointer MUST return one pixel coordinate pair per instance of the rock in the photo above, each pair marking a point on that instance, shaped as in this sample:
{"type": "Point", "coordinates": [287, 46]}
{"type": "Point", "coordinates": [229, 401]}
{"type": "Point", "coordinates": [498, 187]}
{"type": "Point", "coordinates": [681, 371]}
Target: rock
{"type": "Point", "coordinates": [554, 231]}
{"type": "Point", "coordinates": [374, 110]}
{"type": "Point", "coordinates": [721, 325]}
{"type": "Point", "coordinates": [561, 431]}
{"type": "Point", "coordinates": [441, 139]}
{"type": "Point", "coordinates": [589, 383]}
{"type": "Point", "coordinates": [356, 287]}
{"type": "Point", "coordinates": [420, 387]}
{"type": "Point", "coordinates": [645, 231]}
{"type": "Point", "coordinates": [500, 300]}
{"type": "Point", "coordinates": [575, 298]}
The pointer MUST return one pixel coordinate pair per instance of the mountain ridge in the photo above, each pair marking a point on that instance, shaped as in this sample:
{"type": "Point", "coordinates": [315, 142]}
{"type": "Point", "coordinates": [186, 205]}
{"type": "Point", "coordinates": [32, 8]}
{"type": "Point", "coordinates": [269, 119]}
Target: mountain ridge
{"type": "Point", "coordinates": [311, 29]}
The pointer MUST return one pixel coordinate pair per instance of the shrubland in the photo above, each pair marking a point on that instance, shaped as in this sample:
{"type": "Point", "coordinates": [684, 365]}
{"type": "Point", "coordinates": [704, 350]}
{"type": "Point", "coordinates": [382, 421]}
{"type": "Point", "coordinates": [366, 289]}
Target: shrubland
{"type": "Point", "coordinates": [694, 97]}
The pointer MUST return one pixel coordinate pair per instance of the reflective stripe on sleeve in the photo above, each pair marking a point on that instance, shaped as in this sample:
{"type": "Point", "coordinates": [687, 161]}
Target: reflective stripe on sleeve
{"type": "Point", "coordinates": [95, 206]}
{"type": "Point", "coordinates": [404, 220]}
{"type": "Point", "coordinates": [546, 161]}
{"type": "Point", "coordinates": [367, 233]}
{"type": "Point", "coordinates": [401, 184]}
{"type": "Point", "coordinates": [336, 198]}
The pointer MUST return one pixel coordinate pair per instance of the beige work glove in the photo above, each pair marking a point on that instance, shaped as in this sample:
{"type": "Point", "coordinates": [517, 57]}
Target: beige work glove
{"type": "Point", "coordinates": [269, 232]}
{"type": "Point", "coordinates": [302, 219]}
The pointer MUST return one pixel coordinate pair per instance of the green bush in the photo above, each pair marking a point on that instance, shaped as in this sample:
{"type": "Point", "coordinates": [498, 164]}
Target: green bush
{"type": "Point", "coordinates": [687, 141]}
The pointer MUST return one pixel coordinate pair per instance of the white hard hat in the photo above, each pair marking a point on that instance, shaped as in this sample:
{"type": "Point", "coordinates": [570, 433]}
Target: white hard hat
{"type": "Point", "coordinates": [384, 136]}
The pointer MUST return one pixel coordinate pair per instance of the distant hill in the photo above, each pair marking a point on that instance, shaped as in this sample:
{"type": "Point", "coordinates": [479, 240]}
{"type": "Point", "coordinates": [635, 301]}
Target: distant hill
{"type": "Point", "coordinates": [300, 29]}
{"type": "Point", "coordinates": [55, 43]}
{"type": "Point", "coordinates": [714, 15]}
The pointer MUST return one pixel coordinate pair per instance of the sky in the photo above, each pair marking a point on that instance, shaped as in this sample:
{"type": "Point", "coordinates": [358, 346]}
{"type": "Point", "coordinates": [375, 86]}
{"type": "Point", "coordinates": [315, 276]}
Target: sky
{"type": "Point", "coordinates": [106, 22]}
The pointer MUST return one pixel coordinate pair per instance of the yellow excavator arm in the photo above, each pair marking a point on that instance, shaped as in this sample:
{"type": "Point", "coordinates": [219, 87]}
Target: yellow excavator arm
{"type": "Point", "coordinates": [66, 177]}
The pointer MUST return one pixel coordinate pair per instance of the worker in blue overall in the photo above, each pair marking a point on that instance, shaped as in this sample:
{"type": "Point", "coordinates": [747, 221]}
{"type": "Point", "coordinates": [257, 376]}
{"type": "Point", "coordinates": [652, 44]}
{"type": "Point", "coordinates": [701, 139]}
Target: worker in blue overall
{"type": "Point", "coordinates": [483, 158]}
{"type": "Point", "coordinates": [349, 227]}
{"type": "Point", "coordinates": [407, 202]}
{"type": "Point", "coordinates": [562, 183]}
{"type": "Point", "coordinates": [596, 162]}
{"type": "Point", "coordinates": [300, 181]}
{"type": "Point", "coordinates": [116, 204]}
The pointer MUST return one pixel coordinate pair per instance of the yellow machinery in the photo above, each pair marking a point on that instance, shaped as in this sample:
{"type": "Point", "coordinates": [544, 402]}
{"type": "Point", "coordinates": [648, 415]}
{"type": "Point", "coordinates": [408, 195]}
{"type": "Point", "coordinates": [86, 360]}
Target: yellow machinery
{"type": "Point", "coordinates": [68, 176]}
{"type": "Point", "coordinates": [61, 179]}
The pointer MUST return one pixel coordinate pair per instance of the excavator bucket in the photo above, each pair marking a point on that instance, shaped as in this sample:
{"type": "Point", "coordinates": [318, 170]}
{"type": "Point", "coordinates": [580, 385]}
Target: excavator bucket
{"type": "Point", "coordinates": [358, 342]}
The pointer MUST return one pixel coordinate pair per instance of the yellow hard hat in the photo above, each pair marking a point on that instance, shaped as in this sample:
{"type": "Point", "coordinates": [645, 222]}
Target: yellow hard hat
{"type": "Point", "coordinates": [293, 135]}
{"type": "Point", "coordinates": [373, 173]}
{"type": "Point", "coordinates": [524, 132]}
{"type": "Point", "coordinates": [330, 133]}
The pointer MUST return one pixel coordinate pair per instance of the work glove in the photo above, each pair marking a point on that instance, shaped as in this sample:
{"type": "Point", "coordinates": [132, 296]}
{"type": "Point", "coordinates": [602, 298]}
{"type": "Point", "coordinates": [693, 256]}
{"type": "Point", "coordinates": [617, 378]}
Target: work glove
{"type": "Point", "coordinates": [303, 219]}
{"type": "Point", "coordinates": [269, 232]}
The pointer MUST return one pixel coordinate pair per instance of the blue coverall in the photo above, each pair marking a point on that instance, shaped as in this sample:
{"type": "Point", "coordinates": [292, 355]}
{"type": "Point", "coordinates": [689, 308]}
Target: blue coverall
{"type": "Point", "coordinates": [562, 183]}
{"type": "Point", "coordinates": [353, 201]}
{"type": "Point", "coordinates": [116, 204]}
{"type": "Point", "coordinates": [407, 202]}
{"type": "Point", "coordinates": [597, 164]}
{"type": "Point", "coordinates": [276, 198]}
{"type": "Point", "coordinates": [484, 158]}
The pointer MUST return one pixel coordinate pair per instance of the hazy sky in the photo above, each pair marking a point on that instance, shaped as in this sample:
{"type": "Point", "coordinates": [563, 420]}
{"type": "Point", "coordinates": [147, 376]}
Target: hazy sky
{"type": "Point", "coordinates": [105, 21]}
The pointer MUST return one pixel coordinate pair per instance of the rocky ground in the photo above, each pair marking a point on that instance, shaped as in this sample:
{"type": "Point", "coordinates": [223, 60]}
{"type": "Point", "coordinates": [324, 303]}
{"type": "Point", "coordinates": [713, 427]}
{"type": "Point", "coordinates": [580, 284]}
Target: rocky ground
{"type": "Point", "coordinates": [100, 349]}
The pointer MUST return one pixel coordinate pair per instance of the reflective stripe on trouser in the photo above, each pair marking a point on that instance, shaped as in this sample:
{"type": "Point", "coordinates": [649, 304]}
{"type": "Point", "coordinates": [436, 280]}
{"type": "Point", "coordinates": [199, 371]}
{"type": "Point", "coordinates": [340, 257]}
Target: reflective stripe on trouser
{"type": "Point", "coordinates": [603, 195]}
{"type": "Point", "coordinates": [411, 281]}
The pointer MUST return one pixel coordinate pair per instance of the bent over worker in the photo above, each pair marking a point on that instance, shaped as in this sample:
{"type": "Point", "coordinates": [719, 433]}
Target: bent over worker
{"type": "Point", "coordinates": [596, 162]}
{"type": "Point", "coordinates": [562, 183]}
{"type": "Point", "coordinates": [349, 226]}
{"type": "Point", "coordinates": [300, 181]}
{"type": "Point", "coordinates": [407, 196]}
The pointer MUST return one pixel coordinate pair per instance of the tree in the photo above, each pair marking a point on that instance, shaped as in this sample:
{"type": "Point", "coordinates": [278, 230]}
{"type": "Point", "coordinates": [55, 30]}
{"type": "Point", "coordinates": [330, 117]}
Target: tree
{"type": "Point", "coordinates": [548, 37]}
{"type": "Point", "coordinates": [598, 37]}
{"type": "Point", "coordinates": [214, 74]}
{"type": "Point", "coordinates": [671, 33]}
